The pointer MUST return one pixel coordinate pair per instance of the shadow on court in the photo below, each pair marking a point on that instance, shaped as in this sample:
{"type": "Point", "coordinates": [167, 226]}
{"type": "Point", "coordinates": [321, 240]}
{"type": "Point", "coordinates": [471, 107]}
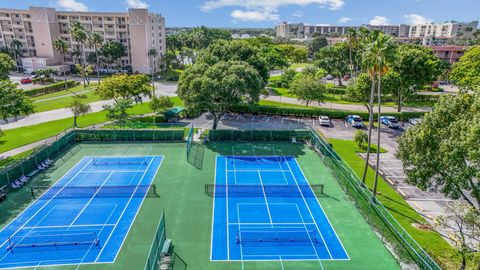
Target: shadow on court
{"type": "Point", "coordinates": [197, 153]}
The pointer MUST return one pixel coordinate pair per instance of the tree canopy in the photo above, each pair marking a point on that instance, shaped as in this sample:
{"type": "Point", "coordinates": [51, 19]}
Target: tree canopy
{"type": "Point", "coordinates": [308, 87]}
{"type": "Point", "coordinates": [442, 152]}
{"type": "Point", "coordinates": [6, 65]}
{"type": "Point", "coordinates": [466, 72]}
{"type": "Point", "coordinates": [123, 86]}
{"type": "Point", "coordinates": [111, 52]}
{"type": "Point", "coordinates": [314, 45]}
{"type": "Point", "coordinates": [13, 102]}
{"type": "Point", "coordinates": [334, 60]}
{"type": "Point", "coordinates": [217, 87]}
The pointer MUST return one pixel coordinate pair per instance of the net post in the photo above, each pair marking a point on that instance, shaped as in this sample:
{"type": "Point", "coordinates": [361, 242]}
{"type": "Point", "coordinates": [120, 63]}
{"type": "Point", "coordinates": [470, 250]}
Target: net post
{"type": "Point", "coordinates": [32, 192]}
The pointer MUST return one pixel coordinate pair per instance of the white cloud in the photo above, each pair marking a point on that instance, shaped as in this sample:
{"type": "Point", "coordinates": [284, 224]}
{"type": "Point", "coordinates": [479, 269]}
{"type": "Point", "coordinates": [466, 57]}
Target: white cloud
{"type": "Point", "coordinates": [297, 14]}
{"type": "Point", "coordinates": [379, 20]}
{"type": "Point", "coordinates": [136, 4]}
{"type": "Point", "coordinates": [72, 5]}
{"type": "Point", "coordinates": [416, 19]}
{"type": "Point", "coordinates": [264, 10]}
{"type": "Point", "coordinates": [254, 16]}
{"type": "Point", "coordinates": [344, 20]}
{"type": "Point", "coordinates": [269, 4]}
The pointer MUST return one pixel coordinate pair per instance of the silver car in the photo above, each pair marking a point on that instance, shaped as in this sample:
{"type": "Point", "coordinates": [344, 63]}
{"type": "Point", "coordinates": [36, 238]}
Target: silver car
{"type": "Point", "coordinates": [324, 121]}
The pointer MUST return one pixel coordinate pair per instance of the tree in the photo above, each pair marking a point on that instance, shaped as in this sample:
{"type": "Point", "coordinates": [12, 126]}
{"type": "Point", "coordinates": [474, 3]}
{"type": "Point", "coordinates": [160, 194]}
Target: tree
{"type": "Point", "coordinates": [270, 52]}
{"type": "Point", "coordinates": [377, 56]}
{"type": "Point", "coordinates": [287, 77]}
{"type": "Point", "coordinates": [118, 111]}
{"type": "Point", "coordinates": [80, 36]}
{"type": "Point", "coordinates": [360, 138]}
{"type": "Point", "coordinates": [122, 87]}
{"type": "Point", "coordinates": [61, 46]}
{"type": "Point", "coordinates": [237, 50]}
{"type": "Point", "coordinates": [16, 46]}
{"type": "Point", "coordinates": [85, 72]}
{"type": "Point", "coordinates": [96, 40]}
{"type": "Point", "coordinates": [6, 65]}
{"type": "Point", "coordinates": [359, 89]}
{"type": "Point", "coordinates": [111, 52]}
{"type": "Point", "coordinates": [159, 105]}
{"type": "Point", "coordinates": [442, 152]}
{"type": "Point", "coordinates": [334, 60]}
{"type": "Point", "coordinates": [416, 66]}
{"type": "Point", "coordinates": [294, 54]}
{"type": "Point", "coordinates": [308, 88]}
{"type": "Point", "coordinates": [13, 101]}
{"type": "Point", "coordinates": [314, 45]}
{"type": "Point", "coordinates": [78, 108]}
{"type": "Point", "coordinates": [352, 41]}
{"type": "Point", "coordinates": [466, 73]}
{"type": "Point", "coordinates": [217, 87]}
{"type": "Point", "coordinates": [463, 221]}
{"type": "Point", "coordinates": [152, 54]}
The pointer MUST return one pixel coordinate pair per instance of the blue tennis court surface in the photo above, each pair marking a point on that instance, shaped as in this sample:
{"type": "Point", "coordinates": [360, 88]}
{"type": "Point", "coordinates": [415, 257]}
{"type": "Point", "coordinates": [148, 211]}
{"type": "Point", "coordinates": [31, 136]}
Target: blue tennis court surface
{"type": "Point", "coordinates": [264, 209]}
{"type": "Point", "coordinates": [84, 217]}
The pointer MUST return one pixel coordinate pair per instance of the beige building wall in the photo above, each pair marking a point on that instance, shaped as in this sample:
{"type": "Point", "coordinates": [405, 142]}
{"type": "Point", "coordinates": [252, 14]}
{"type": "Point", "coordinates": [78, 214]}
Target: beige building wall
{"type": "Point", "coordinates": [37, 28]}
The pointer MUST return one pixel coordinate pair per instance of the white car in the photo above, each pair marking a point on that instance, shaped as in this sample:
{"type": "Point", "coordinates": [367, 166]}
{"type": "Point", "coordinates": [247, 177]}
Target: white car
{"type": "Point", "coordinates": [324, 121]}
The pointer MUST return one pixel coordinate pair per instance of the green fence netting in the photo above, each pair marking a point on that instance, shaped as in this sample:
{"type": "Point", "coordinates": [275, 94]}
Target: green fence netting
{"type": "Point", "coordinates": [257, 135]}
{"type": "Point", "coordinates": [376, 215]}
{"type": "Point", "coordinates": [60, 144]}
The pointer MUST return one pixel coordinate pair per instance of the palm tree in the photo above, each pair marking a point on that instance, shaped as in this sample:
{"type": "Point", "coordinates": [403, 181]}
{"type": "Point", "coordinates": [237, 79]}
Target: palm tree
{"type": "Point", "coordinates": [96, 40]}
{"type": "Point", "coordinates": [61, 47]}
{"type": "Point", "coordinates": [352, 39]}
{"type": "Point", "coordinates": [368, 61]}
{"type": "Point", "coordinates": [152, 53]}
{"type": "Point", "coordinates": [16, 46]}
{"type": "Point", "coordinates": [80, 36]}
{"type": "Point", "coordinates": [385, 55]}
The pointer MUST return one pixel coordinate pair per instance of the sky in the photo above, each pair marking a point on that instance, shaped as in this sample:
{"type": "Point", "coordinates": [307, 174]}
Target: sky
{"type": "Point", "coordinates": [267, 13]}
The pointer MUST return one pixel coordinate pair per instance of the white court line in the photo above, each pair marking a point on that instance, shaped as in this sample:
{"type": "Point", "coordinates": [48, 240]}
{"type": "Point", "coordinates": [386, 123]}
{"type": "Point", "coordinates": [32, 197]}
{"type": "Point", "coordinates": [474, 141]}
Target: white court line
{"type": "Point", "coordinates": [324, 213]}
{"type": "Point", "coordinates": [125, 208]}
{"type": "Point", "coordinates": [91, 199]}
{"type": "Point", "coordinates": [213, 206]}
{"type": "Point", "coordinates": [48, 202]}
{"type": "Point", "coordinates": [226, 204]}
{"type": "Point", "coordinates": [71, 226]}
{"type": "Point", "coordinates": [107, 171]}
{"type": "Point", "coordinates": [309, 210]}
{"type": "Point", "coordinates": [311, 242]}
{"type": "Point", "coordinates": [239, 235]}
{"type": "Point", "coordinates": [265, 224]}
{"type": "Point", "coordinates": [246, 170]}
{"type": "Point", "coordinates": [265, 196]}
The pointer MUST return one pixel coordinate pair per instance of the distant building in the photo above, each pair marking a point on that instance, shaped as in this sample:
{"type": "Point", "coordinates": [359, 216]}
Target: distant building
{"type": "Point", "coordinates": [335, 40]}
{"type": "Point", "coordinates": [448, 29]}
{"type": "Point", "coordinates": [391, 30]}
{"type": "Point", "coordinates": [326, 30]}
{"type": "Point", "coordinates": [450, 54]}
{"type": "Point", "coordinates": [290, 30]}
{"type": "Point", "coordinates": [427, 41]}
{"type": "Point", "coordinates": [37, 28]}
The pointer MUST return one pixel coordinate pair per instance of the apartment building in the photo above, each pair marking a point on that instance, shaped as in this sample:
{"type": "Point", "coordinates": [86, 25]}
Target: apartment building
{"type": "Point", "coordinates": [37, 28]}
{"type": "Point", "coordinates": [290, 30]}
{"type": "Point", "coordinates": [451, 54]}
{"type": "Point", "coordinates": [448, 29]}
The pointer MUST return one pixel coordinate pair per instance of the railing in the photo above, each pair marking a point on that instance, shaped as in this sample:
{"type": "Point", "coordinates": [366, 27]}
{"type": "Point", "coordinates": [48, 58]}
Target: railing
{"type": "Point", "coordinates": [376, 215]}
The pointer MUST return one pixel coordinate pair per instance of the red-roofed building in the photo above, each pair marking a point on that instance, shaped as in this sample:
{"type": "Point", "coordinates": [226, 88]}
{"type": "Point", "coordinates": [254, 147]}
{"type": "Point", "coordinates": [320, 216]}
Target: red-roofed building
{"type": "Point", "coordinates": [450, 54]}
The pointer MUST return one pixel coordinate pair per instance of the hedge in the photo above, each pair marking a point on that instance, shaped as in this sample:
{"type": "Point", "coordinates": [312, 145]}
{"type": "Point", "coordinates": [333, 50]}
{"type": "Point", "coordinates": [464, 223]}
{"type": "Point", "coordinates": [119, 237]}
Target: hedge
{"type": "Point", "coordinates": [413, 98]}
{"type": "Point", "coordinates": [314, 112]}
{"type": "Point", "coordinates": [55, 87]}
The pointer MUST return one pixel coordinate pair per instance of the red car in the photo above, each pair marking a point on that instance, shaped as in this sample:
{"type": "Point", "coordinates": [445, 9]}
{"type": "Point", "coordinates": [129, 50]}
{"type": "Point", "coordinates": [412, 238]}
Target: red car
{"type": "Point", "coordinates": [25, 81]}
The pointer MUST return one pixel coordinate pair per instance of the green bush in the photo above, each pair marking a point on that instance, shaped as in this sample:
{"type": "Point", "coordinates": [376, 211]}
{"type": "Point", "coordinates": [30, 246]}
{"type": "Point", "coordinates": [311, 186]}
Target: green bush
{"type": "Point", "coordinates": [313, 112]}
{"type": "Point", "coordinates": [170, 75]}
{"type": "Point", "coordinates": [41, 80]}
{"type": "Point", "coordinates": [55, 87]}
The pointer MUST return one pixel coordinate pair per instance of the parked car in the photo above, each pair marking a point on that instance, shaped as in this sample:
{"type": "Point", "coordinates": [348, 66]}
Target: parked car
{"type": "Point", "coordinates": [414, 121]}
{"type": "Point", "coordinates": [346, 78]}
{"type": "Point", "coordinates": [355, 121]}
{"type": "Point", "coordinates": [324, 121]}
{"type": "Point", "coordinates": [25, 81]}
{"type": "Point", "coordinates": [389, 121]}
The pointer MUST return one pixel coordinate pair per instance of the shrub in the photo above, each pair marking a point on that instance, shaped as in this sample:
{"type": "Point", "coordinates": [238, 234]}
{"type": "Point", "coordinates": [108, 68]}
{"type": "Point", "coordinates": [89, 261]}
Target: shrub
{"type": "Point", "coordinates": [55, 87]}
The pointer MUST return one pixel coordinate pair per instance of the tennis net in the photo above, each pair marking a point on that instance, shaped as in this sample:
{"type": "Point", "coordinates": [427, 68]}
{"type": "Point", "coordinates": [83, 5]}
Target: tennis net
{"type": "Point", "coordinates": [277, 236]}
{"type": "Point", "coordinates": [105, 161]}
{"type": "Point", "coordinates": [49, 240]}
{"type": "Point", "coordinates": [263, 190]}
{"type": "Point", "coordinates": [67, 192]}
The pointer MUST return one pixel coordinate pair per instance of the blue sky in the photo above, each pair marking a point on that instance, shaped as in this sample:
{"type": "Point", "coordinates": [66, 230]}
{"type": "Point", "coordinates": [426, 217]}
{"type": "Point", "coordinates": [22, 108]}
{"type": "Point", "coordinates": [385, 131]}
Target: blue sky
{"type": "Point", "coordinates": [266, 13]}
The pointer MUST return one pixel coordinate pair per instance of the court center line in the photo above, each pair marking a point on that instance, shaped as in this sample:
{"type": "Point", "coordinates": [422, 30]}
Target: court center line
{"type": "Point", "coordinates": [265, 196]}
{"type": "Point", "coordinates": [240, 236]}
{"type": "Point", "coordinates": [226, 203]}
{"type": "Point", "coordinates": [311, 242]}
{"type": "Point", "coordinates": [308, 207]}
{"type": "Point", "coordinates": [124, 209]}
{"type": "Point", "coordinates": [91, 199]}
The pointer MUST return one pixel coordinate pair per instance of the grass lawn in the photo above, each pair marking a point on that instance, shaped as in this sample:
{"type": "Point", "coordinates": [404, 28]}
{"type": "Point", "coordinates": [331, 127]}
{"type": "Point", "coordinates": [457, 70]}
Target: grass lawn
{"type": "Point", "coordinates": [300, 65]}
{"type": "Point", "coordinates": [76, 89]}
{"type": "Point", "coordinates": [17, 137]}
{"type": "Point", "coordinates": [63, 100]}
{"type": "Point", "coordinates": [431, 241]}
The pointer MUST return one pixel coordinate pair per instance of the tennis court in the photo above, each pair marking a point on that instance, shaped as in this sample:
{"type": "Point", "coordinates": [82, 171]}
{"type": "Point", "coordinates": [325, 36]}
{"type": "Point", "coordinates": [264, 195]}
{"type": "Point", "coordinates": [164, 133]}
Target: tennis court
{"type": "Point", "coordinates": [265, 210]}
{"type": "Point", "coordinates": [84, 217]}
